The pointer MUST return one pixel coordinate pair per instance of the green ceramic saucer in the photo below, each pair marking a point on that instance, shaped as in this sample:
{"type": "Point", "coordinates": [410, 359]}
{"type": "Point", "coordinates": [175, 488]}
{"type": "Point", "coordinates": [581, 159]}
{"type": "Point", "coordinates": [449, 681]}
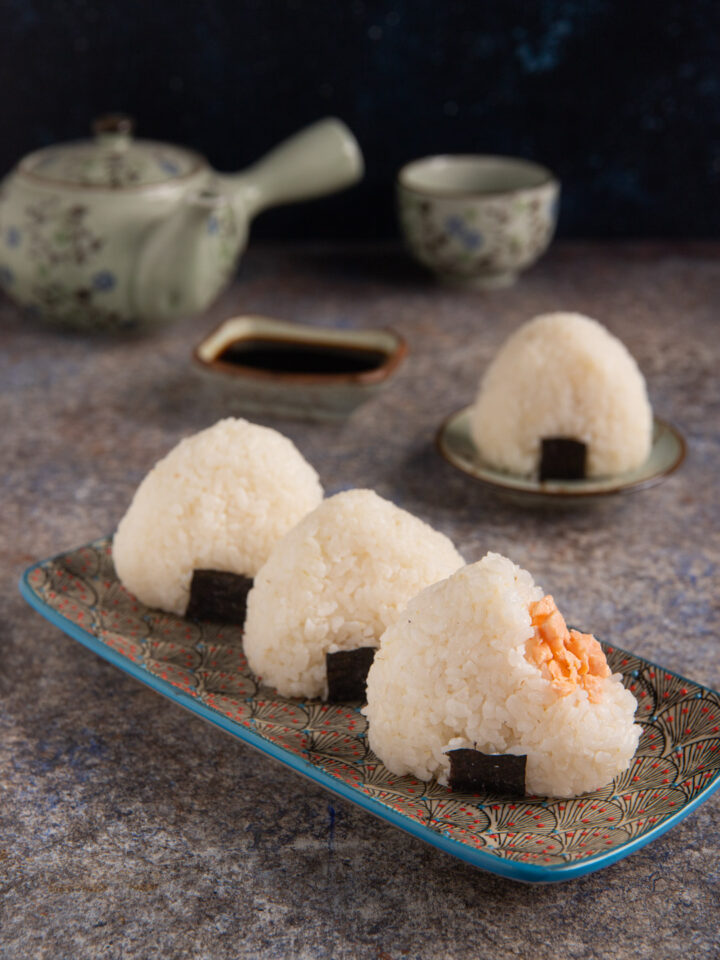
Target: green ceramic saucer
{"type": "Point", "coordinates": [456, 445]}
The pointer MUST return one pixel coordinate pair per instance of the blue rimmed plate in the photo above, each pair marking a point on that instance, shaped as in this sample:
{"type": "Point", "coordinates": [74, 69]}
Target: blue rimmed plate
{"type": "Point", "coordinates": [456, 445]}
{"type": "Point", "coordinates": [539, 840]}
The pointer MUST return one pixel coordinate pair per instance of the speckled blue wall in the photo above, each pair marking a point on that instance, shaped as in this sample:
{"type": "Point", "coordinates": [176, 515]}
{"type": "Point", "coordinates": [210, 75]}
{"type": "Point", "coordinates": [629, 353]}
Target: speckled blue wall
{"type": "Point", "coordinates": [622, 99]}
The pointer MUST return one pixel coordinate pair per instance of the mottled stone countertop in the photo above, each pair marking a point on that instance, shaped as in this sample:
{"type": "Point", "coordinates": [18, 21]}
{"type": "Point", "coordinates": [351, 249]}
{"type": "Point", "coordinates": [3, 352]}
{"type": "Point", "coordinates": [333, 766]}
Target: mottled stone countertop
{"type": "Point", "coordinates": [123, 831]}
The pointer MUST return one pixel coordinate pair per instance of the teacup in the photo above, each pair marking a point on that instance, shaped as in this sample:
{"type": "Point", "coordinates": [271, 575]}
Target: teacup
{"type": "Point", "coordinates": [477, 220]}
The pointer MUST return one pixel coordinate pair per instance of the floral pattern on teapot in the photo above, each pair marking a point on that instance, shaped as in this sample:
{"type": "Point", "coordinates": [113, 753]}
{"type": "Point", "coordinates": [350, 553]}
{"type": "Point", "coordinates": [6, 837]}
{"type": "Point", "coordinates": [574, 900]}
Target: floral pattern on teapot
{"type": "Point", "coordinates": [67, 276]}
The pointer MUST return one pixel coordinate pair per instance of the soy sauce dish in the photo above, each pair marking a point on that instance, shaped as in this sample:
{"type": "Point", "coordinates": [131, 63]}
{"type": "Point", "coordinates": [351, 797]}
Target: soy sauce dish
{"type": "Point", "coordinates": [294, 370]}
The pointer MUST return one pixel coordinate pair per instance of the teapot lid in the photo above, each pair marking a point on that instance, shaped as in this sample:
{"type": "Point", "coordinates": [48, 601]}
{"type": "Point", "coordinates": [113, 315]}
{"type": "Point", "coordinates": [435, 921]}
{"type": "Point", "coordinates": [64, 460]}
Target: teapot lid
{"type": "Point", "coordinates": [113, 160]}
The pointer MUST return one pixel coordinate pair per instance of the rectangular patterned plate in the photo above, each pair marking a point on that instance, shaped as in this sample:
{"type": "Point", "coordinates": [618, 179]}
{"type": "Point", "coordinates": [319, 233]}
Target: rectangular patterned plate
{"type": "Point", "coordinates": [201, 666]}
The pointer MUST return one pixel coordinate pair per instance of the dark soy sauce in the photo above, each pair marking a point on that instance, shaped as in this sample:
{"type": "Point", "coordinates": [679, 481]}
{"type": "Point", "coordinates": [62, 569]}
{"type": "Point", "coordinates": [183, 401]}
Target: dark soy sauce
{"type": "Point", "coordinates": [283, 356]}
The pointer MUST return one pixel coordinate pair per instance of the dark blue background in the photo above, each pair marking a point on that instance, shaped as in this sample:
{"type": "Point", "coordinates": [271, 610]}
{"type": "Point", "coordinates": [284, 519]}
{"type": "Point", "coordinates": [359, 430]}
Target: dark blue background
{"type": "Point", "coordinates": [620, 97]}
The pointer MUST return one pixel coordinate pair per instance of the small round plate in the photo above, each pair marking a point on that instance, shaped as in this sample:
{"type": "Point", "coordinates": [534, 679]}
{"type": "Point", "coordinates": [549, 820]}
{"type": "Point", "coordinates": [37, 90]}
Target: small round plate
{"type": "Point", "coordinates": [456, 445]}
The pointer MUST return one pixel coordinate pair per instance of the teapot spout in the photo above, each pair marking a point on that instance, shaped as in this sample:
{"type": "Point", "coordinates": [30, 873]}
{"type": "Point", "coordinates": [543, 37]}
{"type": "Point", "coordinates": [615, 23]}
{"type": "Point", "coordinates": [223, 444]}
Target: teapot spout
{"type": "Point", "coordinates": [188, 257]}
{"type": "Point", "coordinates": [321, 159]}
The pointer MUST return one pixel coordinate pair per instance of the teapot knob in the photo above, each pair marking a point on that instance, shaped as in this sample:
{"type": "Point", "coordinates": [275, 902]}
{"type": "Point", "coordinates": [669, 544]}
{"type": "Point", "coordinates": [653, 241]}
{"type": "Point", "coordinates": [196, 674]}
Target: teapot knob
{"type": "Point", "coordinates": [115, 129]}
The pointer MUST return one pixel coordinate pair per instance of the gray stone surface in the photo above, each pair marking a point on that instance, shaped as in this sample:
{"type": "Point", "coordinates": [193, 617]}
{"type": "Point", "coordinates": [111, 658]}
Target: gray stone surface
{"type": "Point", "coordinates": [123, 829]}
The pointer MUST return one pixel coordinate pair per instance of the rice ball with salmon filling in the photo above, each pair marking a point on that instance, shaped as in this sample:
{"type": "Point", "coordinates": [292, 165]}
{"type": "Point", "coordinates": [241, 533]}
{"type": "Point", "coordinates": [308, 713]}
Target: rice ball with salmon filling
{"type": "Point", "coordinates": [483, 661]}
{"type": "Point", "coordinates": [333, 585]}
{"type": "Point", "coordinates": [563, 383]}
{"type": "Point", "coordinates": [219, 501]}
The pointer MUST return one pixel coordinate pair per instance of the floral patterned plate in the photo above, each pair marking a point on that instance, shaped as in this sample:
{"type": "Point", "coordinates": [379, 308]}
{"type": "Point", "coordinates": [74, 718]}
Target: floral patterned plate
{"type": "Point", "coordinates": [455, 443]}
{"type": "Point", "coordinates": [201, 666]}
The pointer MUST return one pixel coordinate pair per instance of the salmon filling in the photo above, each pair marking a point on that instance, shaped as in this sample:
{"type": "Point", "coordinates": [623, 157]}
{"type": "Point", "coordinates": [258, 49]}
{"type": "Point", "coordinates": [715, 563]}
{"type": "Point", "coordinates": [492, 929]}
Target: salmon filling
{"type": "Point", "coordinates": [567, 658]}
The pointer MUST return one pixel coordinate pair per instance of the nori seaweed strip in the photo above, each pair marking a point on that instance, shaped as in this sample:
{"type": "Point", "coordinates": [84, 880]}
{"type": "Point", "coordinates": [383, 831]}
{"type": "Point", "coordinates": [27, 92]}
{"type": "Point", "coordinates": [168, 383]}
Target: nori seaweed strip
{"type": "Point", "coordinates": [347, 672]}
{"type": "Point", "coordinates": [474, 772]}
{"type": "Point", "coordinates": [218, 595]}
{"type": "Point", "coordinates": [562, 459]}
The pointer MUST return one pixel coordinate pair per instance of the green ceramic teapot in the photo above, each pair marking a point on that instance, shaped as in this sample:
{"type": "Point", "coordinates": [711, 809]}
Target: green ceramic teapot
{"type": "Point", "coordinates": [116, 233]}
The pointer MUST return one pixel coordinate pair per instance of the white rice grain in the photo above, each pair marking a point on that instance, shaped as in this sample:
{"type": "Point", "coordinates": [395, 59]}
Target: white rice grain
{"type": "Point", "coordinates": [335, 582]}
{"type": "Point", "coordinates": [219, 500]}
{"type": "Point", "coordinates": [451, 672]}
{"type": "Point", "coordinates": [563, 375]}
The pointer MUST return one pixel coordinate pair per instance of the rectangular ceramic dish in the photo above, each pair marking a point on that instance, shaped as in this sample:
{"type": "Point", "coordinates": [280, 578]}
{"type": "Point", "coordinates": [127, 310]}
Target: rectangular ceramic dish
{"type": "Point", "coordinates": [201, 667]}
{"type": "Point", "coordinates": [301, 396]}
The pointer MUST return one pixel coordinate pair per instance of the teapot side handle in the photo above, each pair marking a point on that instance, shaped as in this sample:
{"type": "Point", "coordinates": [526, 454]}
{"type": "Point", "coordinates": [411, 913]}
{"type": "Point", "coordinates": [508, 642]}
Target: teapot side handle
{"type": "Point", "coordinates": [321, 159]}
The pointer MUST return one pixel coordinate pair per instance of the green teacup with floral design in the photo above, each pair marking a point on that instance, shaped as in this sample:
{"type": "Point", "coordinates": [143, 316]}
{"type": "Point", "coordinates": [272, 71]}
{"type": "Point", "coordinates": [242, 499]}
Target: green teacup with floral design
{"type": "Point", "coordinates": [477, 220]}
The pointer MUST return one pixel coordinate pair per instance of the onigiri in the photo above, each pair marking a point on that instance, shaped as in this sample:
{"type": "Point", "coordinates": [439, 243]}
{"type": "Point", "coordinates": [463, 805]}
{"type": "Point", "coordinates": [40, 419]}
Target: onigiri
{"type": "Point", "coordinates": [484, 661]}
{"type": "Point", "coordinates": [218, 501]}
{"type": "Point", "coordinates": [335, 583]}
{"type": "Point", "coordinates": [563, 376]}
